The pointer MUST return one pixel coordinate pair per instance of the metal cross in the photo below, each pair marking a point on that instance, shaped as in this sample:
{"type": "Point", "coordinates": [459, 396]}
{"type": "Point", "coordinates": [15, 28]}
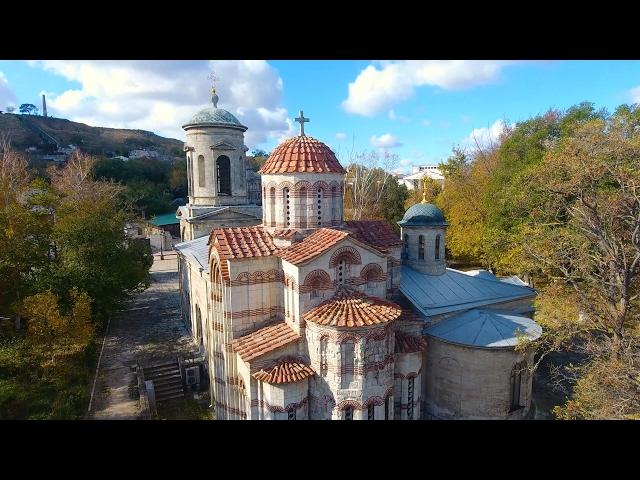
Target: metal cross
{"type": "Point", "coordinates": [302, 120]}
{"type": "Point", "coordinates": [213, 79]}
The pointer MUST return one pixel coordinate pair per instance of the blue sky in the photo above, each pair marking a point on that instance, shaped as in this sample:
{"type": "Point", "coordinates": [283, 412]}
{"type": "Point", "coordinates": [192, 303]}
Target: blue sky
{"type": "Point", "coordinates": [418, 110]}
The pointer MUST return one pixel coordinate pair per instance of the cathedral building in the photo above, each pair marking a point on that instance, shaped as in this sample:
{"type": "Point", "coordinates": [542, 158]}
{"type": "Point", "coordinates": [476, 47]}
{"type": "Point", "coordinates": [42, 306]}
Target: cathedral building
{"type": "Point", "coordinates": [308, 316]}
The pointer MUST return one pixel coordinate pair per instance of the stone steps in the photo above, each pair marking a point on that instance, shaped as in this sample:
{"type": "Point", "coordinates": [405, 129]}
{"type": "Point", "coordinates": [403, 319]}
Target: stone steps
{"type": "Point", "coordinates": [167, 380]}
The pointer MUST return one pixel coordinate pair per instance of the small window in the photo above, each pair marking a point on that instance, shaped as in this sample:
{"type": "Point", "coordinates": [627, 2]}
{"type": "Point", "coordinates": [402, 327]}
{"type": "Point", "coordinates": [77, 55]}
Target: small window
{"type": "Point", "coordinates": [291, 414]}
{"type": "Point", "coordinates": [371, 412]}
{"type": "Point", "coordinates": [421, 247]}
{"type": "Point", "coordinates": [410, 399]}
{"type": "Point", "coordinates": [324, 343]}
{"type": "Point", "coordinates": [348, 413]}
{"type": "Point", "coordinates": [387, 408]}
{"type": "Point", "coordinates": [437, 252]}
{"type": "Point", "coordinates": [405, 247]}
{"type": "Point", "coordinates": [315, 289]}
{"type": "Point", "coordinates": [201, 172]}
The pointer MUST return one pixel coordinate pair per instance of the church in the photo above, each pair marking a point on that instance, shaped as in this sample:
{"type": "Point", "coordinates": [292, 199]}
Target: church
{"type": "Point", "coordinates": [301, 315]}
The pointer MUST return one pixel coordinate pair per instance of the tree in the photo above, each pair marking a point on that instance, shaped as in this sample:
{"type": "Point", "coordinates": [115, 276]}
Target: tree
{"type": "Point", "coordinates": [28, 109]}
{"type": "Point", "coordinates": [584, 236]}
{"type": "Point", "coordinates": [54, 333]}
{"type": "Point", "coordinates": [11, 109]}
{"type": "Point", "coordinates": [367, 176]}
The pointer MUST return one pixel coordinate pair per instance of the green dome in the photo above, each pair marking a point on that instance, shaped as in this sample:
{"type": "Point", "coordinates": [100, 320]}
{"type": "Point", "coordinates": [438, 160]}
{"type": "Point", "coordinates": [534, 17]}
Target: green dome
{"type": "Point", "coordinates": [214, 117]}
{"type": "Point", "coordinates": [423, 214]}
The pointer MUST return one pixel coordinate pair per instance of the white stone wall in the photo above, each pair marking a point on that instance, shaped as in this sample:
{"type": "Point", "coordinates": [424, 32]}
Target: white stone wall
{"type": "Point", "coordinates": [303, 210]}
{"type": "Point", "coordinates": [372, 381]}
{"type": "Point", "coordinates": [408, 365]}
{"type": "Point", "coordinates": [472, 383]}
{"type": "Point", "coordinates": [201, 139]}
{"type": "Point", "coordinates": [255, 293]}
{"type": "Point", "coordinates": [429, 264]}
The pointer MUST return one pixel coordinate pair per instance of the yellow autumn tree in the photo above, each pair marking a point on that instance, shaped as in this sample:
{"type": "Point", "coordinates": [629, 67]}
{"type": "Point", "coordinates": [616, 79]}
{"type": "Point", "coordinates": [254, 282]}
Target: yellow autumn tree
{"type": "Point", "coordinates": [54, 333]}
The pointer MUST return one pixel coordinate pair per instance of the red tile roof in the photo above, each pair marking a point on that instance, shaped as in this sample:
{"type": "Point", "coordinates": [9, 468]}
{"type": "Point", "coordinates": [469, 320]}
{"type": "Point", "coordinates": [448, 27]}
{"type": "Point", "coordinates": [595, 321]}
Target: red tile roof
{"type": "Point", "coordinates": [243, 242]}
{"type": "Point", "coordinates": [408, 315]}
{"type": "Point", "coordinates": [376, 233]}
{"type": "Point", "coordinates": [286, 370]}
{"type": "Point", "coordinates": [264, 340]}
{"type": "Point", "coordinates": [312, 246]}
{"type": "Point", "coordinates": [350, 308]}
{"type": "Point", "coordinates": [302, 154]}
{"type": "Point", "coordinates": [406, 343]}
{"type": "Point", "coordinates": [285, 234]}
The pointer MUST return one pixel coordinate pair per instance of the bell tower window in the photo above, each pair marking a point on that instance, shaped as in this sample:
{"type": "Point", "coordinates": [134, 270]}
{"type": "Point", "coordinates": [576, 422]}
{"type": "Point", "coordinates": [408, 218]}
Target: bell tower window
{"type": "Point", "coordinates": [272, 207]}
{"type": "Point", "coordinates": [421, 247]}
{"type": "Point", "coordinates": [320, 207]}
{"type": "Point", "coordinates": [437, 252]}
{"type": "Point", "coordinates": [223, 173]}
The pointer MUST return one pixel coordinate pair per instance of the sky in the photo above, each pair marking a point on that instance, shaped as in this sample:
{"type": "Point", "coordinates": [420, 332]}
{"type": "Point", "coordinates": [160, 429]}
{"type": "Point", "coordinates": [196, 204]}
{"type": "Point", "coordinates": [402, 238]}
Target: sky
{"type": "Point", "coordinates": [418, 109]}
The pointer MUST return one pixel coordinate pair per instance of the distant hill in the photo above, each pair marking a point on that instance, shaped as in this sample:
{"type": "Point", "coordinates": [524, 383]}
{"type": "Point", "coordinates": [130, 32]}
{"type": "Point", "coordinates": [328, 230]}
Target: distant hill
{"type": "Point", "coordinates": [46, 132]}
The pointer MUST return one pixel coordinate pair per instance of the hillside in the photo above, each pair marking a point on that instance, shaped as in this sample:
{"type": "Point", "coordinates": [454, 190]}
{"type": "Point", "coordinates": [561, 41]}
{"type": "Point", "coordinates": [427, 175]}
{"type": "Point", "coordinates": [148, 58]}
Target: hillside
{"type": "Point", "coordinates": [36, 131]}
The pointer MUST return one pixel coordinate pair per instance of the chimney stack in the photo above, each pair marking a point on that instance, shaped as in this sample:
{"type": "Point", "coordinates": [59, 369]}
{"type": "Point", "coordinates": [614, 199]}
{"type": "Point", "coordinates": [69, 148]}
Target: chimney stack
{"type": "Point", "coordinates": [44, 106]}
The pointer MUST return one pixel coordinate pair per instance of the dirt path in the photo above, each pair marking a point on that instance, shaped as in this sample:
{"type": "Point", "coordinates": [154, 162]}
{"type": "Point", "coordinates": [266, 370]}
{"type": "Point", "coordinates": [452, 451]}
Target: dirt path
{"type": "Point", "coordinates": [149, 328]}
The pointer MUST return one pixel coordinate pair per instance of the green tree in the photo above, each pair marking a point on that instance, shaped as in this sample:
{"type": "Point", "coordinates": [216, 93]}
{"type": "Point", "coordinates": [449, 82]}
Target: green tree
{"type": "Point", "coordinates": [28, 109]}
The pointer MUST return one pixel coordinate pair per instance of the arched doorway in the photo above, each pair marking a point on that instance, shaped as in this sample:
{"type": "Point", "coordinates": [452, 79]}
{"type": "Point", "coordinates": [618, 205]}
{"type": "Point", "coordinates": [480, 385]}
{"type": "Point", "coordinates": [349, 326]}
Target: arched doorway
{"type": "Point", "coordinates": [223, 174]}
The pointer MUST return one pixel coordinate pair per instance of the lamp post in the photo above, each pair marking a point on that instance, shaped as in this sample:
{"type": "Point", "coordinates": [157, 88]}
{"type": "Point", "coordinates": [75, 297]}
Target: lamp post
{"type": "Point", "coordinates": [161, 245]}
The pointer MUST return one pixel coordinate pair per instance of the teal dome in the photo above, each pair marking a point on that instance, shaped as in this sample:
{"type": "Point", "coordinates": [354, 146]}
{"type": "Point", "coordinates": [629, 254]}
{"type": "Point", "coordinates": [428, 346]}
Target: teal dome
{"type": "Point", "coordinates": [423, 214]}
{"type": "Point", "coordinates": [214, 117]}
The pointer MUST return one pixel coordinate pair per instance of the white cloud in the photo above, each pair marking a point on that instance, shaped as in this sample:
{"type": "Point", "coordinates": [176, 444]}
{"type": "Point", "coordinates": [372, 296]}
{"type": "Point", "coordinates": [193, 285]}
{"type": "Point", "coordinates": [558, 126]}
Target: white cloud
{"type": "Point", "coordinates": [162, 95]}
{"type": "Point", "coordinates": [376, 88]}
{"type": "Point", "coordinates": [401, 118]}
{"type": "Point", "coordinates": [341, 136]}
{"type": "Point", "coordinates": [635, 94]}
{"type": "Point", "coordinates": [426, 122]}
{"type": "Point", "coordinates": [385, 141]}
{"type": "Point", "coordinates": [7, 96]}
{"type": "Point", "coordinates": [485, 136]}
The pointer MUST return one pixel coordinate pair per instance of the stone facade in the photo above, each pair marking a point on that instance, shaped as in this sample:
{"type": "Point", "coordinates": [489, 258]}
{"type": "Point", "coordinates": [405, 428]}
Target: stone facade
{"type": "Point", "coordinates": [419, 251]}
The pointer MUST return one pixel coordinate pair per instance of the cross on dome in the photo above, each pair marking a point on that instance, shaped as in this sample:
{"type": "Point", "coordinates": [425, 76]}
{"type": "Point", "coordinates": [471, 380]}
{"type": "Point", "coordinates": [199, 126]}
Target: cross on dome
{"type": "Point", "coordinates": [302, 120]}
{"type": "Point", "coordinates": [214, 95]}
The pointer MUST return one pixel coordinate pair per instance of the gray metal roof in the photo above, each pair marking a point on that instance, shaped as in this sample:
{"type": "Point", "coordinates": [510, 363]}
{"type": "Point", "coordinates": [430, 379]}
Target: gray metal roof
{"type": "Point", "coordinates": [423, 214]}
{"type": "Point", "coordinates": [485, 328]}
{"type": "Point", "coordinates": [454, 290]}
{"type": "Point", "coordinates": [214, 117]}
{"type": "Point", "coordinates": [196, 252]}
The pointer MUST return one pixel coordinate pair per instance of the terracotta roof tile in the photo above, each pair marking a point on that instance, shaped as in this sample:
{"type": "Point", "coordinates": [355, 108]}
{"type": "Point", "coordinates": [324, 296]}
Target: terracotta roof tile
{"type": "Point", "coordinates": [264, 340]}
{"type": "Point", "coordinates": [350, 308]}
{"type": "Point", "coordinates": [286, 370]}
{"type": "Point", "coordinates": [302, 154]}
{"type": "Point", "coordinates": [243, 242]}
{"type": "Point", "coordinates": [406, 343]}
{"type": "Point", "coordinates": [312, 246]}
{"type": "Point", "coordinates": [376, 233]}
{"type": "Point", "coordinates": [286, 234]}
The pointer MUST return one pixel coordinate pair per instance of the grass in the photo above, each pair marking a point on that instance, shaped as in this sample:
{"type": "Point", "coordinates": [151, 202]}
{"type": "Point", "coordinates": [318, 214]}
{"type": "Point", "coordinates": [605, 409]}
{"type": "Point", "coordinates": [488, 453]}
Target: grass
{"type": "Point", "coordinates": [185, 409]}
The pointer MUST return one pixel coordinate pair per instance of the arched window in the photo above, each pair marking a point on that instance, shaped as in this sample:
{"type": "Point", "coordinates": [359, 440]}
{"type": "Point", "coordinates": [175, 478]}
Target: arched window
{"type": "Point", "coordinates": [405, 247]}
{"type": "Point", "coordinates": [201, 177]}
{"type": "Point", "coordinates": [348, 363]}
{"type": "Point", "coordinates": [517, 374]}
{"type": "Point", "coordinates": [189, 174]}
{"type": "Point", "coordinates": [371, 412]}
{"type": "Point", "coordinates": [320, 200]}
{"type": "Point", "coordinates": [410, 399]}
{"type": "Point", "coordinates": [223, 173]}
{"type": "Point", "coordinates": [315, 288]}
{"type": "Point", "coordinates": [387, 408]}
{"type": "Point", "coordinates": [421, 247]}
{"type": "Point", "coordinates": [348, 412]}
{"type": "Point", "coordinates": [334, 206]}
{"type": "Point", "coordinates": [303, 208]}
{"type": "Point", "coordinates": [342, 271]}
{"type": "Point", "coordinates": [272, 207]}
{"type": "Point", "coordinates": [287, 212]}
{"type": "Point", "coordinates": [198, 325]}
{"type": "Point", "coordinates": [291, 414]}
{"type": "Point", "coordinates": [437, 257]}
{"type": "Point", "coordinates": [324, 345]}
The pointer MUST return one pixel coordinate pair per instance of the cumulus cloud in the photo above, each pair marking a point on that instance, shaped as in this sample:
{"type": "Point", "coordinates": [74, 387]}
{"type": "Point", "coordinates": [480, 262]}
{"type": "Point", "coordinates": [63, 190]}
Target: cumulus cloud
{"type": "Point", "coordinates": [7, 95]}
{"type": "Point", "coordinates": [485, 136]}
{"type": "Point", "coordinates": [341, 136]}
{"type": "Point", "coordinates": [385, 141]}
{"type": "Point", "coordinates": [634, 93]}
{"type": "Point", "coordinates": [378, 87]}
{"type": "Point", "coordinates": [162, 95]}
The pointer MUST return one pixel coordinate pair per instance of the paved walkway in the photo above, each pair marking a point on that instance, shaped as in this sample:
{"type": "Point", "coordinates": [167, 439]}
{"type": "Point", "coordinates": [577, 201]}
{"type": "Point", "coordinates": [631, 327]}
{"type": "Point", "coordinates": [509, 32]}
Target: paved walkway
{"type": "Point", "coordinates": [149, 328]}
